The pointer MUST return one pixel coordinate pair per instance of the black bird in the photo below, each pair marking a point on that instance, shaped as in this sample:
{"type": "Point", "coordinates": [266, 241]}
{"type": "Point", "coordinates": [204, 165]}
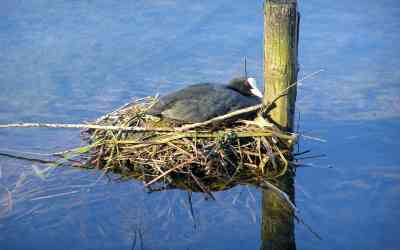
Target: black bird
{"type": "Point", "coordinates": [203, 101]}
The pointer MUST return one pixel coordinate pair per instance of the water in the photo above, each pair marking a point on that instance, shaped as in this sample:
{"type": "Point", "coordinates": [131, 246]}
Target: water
{"type": "Point", "coordinates": [71, 61]}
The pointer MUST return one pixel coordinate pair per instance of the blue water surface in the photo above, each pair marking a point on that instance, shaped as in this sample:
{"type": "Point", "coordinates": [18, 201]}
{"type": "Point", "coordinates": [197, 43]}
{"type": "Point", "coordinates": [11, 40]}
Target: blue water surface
{"type": "Point", "coordinates": [72, 61]}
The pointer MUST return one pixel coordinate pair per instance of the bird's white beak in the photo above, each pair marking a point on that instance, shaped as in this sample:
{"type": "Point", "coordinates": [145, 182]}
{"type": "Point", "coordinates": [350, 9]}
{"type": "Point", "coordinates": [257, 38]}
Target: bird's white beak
{"type": "Point", "coordinates": [254, 89]}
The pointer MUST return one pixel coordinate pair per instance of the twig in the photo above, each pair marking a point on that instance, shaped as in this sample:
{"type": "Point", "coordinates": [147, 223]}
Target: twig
{"type": "Point", "coordinates": [106, 116]}
{"type": "Point", "coordinates": [202, 187]}
{"type": "Point", "coordinates": [12, 151]}
{"type": "Point", "coordinates": [311, 157]}
{"type": "Point", "coordinates": [167, 172]}
{"type": "Point", "coordinates": [220, 118]}
{"type": "Point", "coordinates": [312, 138]}
{"type": "Point", "coordinates": [18, 157]}
{"type": "Point", "coordinates": [302, 153]}
{"type": "Point", "coordinates": [308, 227]}
{"type": "Point", "coordinates": [283, 92]}
{"type": "Point", "coordinates": [116, 111]}
{"type": "Point", "coordinates": [81, 126]}
{"type": "Point", "coordinates": [54, 195]}
{"type": "Point", "coordinates": [282, 194]}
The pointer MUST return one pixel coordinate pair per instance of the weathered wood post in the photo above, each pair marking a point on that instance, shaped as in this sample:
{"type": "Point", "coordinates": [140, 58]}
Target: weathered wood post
{"type": "Point", "coordinates": [281, 26]}
{"type": "Point", "coordinates": [281, 32]}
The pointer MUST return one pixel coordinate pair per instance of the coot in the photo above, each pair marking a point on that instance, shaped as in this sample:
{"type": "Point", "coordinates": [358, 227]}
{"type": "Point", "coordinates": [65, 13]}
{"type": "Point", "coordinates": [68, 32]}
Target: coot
{"type": "Point", "coordinates": [203, 101]}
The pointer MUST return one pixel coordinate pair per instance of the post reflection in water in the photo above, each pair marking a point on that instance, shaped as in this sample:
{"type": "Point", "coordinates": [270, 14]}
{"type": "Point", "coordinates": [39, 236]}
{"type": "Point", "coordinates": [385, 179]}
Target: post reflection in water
{"type": "Point", "coordinates": [277, 229]}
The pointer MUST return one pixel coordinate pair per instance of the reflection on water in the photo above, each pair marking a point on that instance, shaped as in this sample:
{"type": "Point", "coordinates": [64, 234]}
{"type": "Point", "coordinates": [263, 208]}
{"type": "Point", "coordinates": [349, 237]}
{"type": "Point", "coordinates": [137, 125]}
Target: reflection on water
{"type": "Point", "coordinates": [277, 222]}
{"type": "Point", "coordinates": [69, 61]}
{"type": "Point", "coordinates": [98, 209]}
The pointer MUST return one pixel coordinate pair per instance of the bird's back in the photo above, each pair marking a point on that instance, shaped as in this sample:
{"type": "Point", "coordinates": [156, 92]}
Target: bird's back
{"type": "Point", "coordinates": [200, 102]}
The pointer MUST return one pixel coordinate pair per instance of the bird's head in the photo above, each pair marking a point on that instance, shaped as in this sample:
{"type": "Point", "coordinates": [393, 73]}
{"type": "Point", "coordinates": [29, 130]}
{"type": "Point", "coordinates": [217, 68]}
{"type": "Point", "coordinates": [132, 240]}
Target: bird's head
{"type": "Point", "coordinates": [246, 86]}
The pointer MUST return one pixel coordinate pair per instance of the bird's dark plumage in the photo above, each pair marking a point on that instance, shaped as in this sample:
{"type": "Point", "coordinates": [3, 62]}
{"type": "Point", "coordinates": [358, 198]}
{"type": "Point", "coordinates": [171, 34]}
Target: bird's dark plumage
{"type": "Point", "coordinates": [203, 101]}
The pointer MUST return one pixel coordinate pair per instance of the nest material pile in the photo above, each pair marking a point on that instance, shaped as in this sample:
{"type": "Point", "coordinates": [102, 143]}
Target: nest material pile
{"type": "Point", "coordinates": [203, 158]}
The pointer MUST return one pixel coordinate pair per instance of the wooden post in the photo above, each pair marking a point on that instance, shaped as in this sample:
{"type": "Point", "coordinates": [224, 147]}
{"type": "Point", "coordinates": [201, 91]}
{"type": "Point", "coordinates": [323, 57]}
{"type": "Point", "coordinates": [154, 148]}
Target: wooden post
{"type": "Point", "coordinates": [281, 33]}
{"type": "Point", "coordinates": [281, 27]}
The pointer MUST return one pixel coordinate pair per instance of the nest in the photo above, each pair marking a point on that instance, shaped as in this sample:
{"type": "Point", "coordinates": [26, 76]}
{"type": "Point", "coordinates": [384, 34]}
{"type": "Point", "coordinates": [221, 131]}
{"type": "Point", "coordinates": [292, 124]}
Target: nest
{"type": "Point", "coordinates": [202, 157]}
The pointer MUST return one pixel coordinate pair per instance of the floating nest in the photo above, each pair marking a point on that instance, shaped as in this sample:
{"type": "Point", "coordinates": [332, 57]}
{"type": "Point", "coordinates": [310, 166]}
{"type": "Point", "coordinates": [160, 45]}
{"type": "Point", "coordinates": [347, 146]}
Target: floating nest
{"type": "Point", "coordinates": [210, 156]}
